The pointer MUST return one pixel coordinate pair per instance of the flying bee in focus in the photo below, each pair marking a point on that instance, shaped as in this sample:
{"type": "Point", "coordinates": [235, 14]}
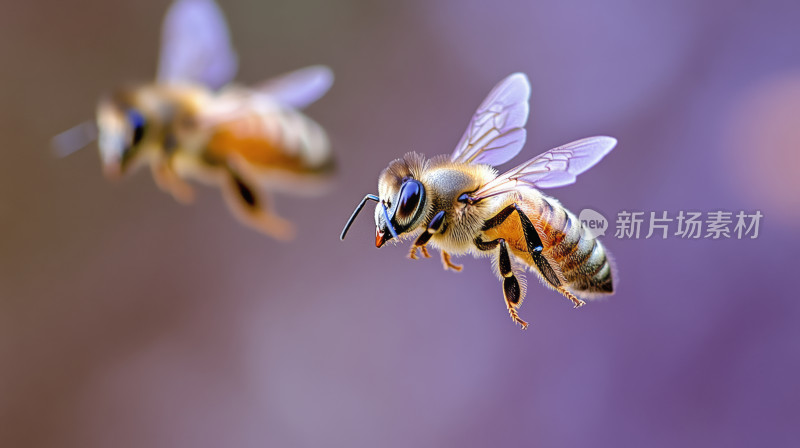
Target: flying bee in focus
{"type": "Point", "coordinates": [192, 124]}
{"type": "Point", "coordinates": [459, 204]}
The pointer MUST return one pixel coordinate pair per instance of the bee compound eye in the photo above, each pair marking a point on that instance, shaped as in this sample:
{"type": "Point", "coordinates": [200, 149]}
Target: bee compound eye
{"type": "Point", "coordinates": [137, 123]}
{"type": "Point", "coordinates": [409, 199]}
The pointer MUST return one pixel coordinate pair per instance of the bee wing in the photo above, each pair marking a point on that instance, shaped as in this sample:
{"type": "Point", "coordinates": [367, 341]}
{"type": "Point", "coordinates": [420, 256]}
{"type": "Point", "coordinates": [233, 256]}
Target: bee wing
{"type": "Point", "coordinates": [195, 45]}
{"type": "Point", "coordinates": [299, 88]}
{"type": "Point", "coordinates": [555, 168]}
{"type": "Point", "coordinates": [496, 134]}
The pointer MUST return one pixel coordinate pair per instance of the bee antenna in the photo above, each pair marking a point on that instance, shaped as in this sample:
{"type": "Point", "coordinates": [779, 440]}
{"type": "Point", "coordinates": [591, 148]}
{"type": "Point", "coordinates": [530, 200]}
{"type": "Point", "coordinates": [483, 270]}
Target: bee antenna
{"type": "Point", "coordinates": [389, 221]}
{"type": "Point", "coordinates": [74, 138]}
{"type": "Point", "coordinates": [370, 197]}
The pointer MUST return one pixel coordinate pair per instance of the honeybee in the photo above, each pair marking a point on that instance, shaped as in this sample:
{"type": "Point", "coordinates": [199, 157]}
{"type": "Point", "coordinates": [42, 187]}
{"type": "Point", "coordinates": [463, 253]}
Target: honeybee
{"type": "Point", "coordinates": [459, 204]}
{"type": "Point", "coordinates": [191, 123]}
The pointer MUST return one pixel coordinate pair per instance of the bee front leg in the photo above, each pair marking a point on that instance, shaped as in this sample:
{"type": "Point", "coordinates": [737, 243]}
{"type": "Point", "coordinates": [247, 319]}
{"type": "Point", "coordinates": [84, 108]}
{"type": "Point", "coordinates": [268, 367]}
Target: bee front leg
{"type": "Point", "coordinates": [253, 211]}
{"type": "Point", "coordinates": [168, 180]}
{"type": "Point", "coordinates": [435, 226]}
{"type": "Point", "coordinates": [535, 247]}
{"type": "Point", "coordinates": [413, 254]}
{"type": "Point", "coordinates": [512, 292]}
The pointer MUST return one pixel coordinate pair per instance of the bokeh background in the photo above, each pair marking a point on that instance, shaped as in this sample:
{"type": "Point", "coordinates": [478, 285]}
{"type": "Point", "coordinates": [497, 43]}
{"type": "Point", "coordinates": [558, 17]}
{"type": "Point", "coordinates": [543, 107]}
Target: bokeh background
{"type": "Point", "coordinates": [128, 320]}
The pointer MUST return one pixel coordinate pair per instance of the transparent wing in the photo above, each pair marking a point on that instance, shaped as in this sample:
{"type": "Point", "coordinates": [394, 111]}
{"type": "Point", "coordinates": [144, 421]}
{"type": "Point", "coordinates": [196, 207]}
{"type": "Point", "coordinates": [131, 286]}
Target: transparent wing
{"type": "Point", "coordinates": [495, 134]}
{"type": "Point", "coordinates": [555, 168]}
{"type": "Point", "coordinates": [195, 45]}
{"type": "Point", "coordinates": [299, 88]}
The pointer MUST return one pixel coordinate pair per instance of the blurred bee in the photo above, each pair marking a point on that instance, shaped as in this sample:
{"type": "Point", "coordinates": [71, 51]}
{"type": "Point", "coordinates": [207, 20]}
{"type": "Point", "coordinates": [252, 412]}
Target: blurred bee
{"type": "Point", "coordinates": [191, 124]}
{"type": "Point", "coordinates": [461, 205]}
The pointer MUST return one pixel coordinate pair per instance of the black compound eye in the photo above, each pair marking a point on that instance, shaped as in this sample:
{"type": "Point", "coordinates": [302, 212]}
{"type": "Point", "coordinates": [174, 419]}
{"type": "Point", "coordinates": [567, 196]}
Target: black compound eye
{"type": "Point", "coordinates": [409, 197]}
{"type": "Point", "coordinates": [137, 123]}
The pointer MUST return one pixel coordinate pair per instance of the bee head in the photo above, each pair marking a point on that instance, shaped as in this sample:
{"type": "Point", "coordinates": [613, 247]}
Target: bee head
{"type": "Point", "coordinates": [403, 200]}
{"type": "Point", "coordinates": [402, 204]}
{"type": "Point", "coordinates": [122, 128]}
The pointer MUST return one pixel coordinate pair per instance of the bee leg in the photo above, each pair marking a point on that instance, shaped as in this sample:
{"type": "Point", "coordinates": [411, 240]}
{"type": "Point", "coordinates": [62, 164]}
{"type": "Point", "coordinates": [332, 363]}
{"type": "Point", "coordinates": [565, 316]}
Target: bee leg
{"type": "Point", "coordinates": [449, 264]}
{"type": "Point", "coordinates": [512, 292]}
{"type": "Point", "coordinates": [252, 210]}
{"type": "Point", "coordinates": [413, 253]}
{"type": "Point", "coordinates": [168, 180]}
{"type": "Point", "coordinates": [435, 226]}
{"type": "Point", "coordinates": [576, 301]}
{"type": "Point", "coordinates": [535, 247]}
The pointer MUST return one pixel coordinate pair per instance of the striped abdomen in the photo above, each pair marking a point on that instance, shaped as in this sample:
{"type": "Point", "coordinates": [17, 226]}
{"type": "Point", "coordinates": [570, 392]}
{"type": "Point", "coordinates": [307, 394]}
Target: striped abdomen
{"type": "Point", "coordinates": [583, 261]}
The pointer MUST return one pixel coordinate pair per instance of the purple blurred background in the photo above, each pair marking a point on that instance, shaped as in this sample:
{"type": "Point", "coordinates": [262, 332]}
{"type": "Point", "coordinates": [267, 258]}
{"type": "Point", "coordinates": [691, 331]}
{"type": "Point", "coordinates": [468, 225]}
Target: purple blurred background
{"type": "Point", "coordinates": [128, 320]}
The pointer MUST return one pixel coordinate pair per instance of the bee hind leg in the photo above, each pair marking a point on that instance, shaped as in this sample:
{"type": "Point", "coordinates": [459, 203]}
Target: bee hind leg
{"type": "Point", "coordinates": [252, 209]}
{"type": "Point", "coordinates": [512, 291]}
{"type": "Point", "coordinates": [535, 247]}
{"type": "Point", "coordinates": [575, 301]}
